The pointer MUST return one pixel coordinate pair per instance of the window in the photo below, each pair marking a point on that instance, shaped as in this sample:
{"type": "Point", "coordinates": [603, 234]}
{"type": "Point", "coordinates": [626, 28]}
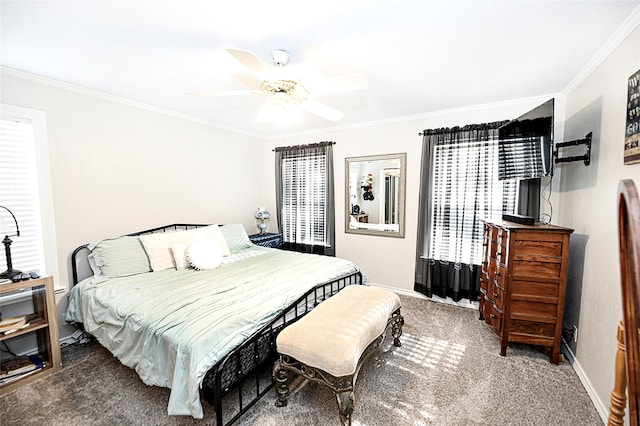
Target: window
{"type": "Point", "coordinates": [25, 190]}
{"type": "Point", "coordinates": [306, 217]}
{"type": "Point", "coordinates": [466, 190]}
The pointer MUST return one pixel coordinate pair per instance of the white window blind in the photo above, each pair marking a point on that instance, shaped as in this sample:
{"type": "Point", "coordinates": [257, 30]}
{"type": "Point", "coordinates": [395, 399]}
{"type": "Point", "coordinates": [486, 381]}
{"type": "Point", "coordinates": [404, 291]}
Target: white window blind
{"type": "Point", "coordinates": [20, 193]}
{"type": "Point", "coordinates": [303, 199]}
{"type": "Point", "coordinates": [466, 189]}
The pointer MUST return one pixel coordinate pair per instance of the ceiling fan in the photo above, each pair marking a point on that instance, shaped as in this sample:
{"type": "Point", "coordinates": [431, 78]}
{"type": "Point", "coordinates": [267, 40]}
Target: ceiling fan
{"type": "Point", "coordinates": [286, 96]}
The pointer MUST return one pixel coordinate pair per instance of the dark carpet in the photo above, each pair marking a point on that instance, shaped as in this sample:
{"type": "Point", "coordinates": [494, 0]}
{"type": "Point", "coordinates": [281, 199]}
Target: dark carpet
{"type": "Point", "coordinates": [447, 372]}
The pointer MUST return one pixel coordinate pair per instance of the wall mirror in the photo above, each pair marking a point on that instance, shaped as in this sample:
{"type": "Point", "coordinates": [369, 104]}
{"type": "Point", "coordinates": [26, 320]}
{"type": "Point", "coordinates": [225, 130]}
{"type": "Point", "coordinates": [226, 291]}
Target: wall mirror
{"type": "Point", "coordinates": [375, 195]}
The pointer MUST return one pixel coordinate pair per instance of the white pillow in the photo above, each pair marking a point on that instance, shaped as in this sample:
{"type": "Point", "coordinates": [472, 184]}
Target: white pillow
{"type": "Point", "coordinates": [159, 246]}
{"type": "Point", "coordinates": [180, 255]}
{"type": "Point", "coordinates": [204, 254]}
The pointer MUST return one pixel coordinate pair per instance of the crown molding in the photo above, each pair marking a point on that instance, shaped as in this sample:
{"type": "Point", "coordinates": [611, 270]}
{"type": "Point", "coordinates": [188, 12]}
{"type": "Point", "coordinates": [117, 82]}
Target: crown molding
{"type": "Point", "coordinates": [421, 116]}
{"type": "Point", "coordinates": [629, 25]}
{"type": "Point", "coordinates": [58, 84]}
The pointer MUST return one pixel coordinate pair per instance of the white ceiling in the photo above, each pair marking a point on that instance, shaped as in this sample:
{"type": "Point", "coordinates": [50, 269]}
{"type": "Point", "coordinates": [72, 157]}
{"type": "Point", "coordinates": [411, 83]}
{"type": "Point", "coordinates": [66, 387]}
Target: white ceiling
{"type": "Point", "coordinates": [418, 56]}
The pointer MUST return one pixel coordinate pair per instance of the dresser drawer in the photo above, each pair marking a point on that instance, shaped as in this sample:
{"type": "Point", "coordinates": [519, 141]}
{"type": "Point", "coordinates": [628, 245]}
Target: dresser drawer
{"type": "Point", "coordinates": [496, 295]}
{"type": "Point", "coordinates": [484, 284]}
{"type": "Point", "coordinates": [541, 269]}
{"type": "Point", "coordinates": [493, 316]}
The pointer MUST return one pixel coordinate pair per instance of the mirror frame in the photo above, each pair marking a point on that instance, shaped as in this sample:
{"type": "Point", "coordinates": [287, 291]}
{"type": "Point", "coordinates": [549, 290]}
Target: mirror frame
{"type": "Point", "coordinates": [401, 194]}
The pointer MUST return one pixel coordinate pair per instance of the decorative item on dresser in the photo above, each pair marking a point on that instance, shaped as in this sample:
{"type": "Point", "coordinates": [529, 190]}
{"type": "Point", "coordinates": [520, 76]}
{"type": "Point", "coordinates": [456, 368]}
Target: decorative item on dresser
{"type": "Point", "coordinates": [43, 322]}
{"type": "Point", "coordinates": [523, 281]}
{"type": "Point", "coordinates": [273, 240]}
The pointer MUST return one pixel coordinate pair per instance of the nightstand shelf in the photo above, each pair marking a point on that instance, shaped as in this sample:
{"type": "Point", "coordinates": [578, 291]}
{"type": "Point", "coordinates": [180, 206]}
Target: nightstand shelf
{"type": "Point", "coordinates": [273, 240]}
{"type": "Point", "coordinates": [42, 323]}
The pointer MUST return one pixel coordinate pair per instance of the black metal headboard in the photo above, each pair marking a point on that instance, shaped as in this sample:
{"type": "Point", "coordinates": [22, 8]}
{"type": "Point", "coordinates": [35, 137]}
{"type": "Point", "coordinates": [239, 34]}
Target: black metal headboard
{"type": "Point", "coordinates": [80, 262]}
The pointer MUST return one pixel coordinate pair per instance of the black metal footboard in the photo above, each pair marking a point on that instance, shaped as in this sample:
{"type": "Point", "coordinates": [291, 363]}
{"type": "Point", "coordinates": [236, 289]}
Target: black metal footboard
{"type": "Point", "coordinates": [240, 379]}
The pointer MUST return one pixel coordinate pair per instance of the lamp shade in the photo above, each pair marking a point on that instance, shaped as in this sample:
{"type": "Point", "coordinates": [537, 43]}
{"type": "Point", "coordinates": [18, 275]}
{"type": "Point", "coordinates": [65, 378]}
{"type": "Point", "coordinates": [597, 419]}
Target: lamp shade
{"type": "Point", "coordinates": [4, 227]}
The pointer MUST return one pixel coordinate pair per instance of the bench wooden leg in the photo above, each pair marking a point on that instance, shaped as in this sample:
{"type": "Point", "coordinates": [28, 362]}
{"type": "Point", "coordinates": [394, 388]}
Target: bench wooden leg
{"type": "Point", "coordinates": [345, 406]}
{"type": "Point", "coordinates": [280, 376]}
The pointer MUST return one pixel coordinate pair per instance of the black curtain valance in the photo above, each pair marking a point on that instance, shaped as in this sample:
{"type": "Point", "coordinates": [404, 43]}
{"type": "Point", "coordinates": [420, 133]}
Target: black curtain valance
{"type": "Point", "coordinates": [467, 128]}
{"type": "Point", "coordinates": [300, 147]}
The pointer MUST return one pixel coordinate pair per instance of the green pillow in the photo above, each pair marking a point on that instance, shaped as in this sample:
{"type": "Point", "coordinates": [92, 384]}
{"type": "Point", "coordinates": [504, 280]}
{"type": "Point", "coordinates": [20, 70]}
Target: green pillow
{"type": "Point", "coordinates": [120, 256]}
{"type": "Point", "coordinates": [236, 236]}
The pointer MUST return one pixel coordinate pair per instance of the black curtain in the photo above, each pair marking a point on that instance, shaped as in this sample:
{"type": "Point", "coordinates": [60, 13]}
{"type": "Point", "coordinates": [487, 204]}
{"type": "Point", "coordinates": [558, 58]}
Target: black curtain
{"type": "Point", "coordinates": [458, 186]}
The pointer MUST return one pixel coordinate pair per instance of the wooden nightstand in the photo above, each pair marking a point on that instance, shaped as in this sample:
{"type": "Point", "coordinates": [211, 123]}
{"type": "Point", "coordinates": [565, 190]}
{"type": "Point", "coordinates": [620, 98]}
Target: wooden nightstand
{"type": "Point", "coordinates": [273, 240]}
{"type": "Point", "coordinates": [42, 321]}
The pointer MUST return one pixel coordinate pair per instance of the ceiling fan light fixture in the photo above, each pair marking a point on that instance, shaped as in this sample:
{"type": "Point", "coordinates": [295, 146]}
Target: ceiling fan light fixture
{"type": "Point", "coordinates": [280, 57]}
{"type": "Point", "coordinates": [281, 110]}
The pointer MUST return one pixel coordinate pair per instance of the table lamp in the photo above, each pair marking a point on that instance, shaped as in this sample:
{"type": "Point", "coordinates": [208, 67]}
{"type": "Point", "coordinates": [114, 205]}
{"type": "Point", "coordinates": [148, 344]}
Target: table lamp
{"type": "Point", "coordinates": [6, 229]}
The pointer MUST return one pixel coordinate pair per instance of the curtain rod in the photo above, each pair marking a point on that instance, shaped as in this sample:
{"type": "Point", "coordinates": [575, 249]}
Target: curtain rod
{"type": "Point", "coordinates": [468, 127]}
{"type": "Point", "coordinates": [311, 145]}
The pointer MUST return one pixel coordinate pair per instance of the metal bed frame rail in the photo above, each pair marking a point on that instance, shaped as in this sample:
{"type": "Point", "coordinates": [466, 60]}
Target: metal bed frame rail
{"type": "Point", "coordinates": [246, 370]}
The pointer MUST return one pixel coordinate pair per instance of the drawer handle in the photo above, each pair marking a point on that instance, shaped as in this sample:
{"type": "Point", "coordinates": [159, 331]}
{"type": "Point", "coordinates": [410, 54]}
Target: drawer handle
{"type": "Point", "coordinates": [495, 295]}
{"type": "Point", "coordinates": [493, 315]}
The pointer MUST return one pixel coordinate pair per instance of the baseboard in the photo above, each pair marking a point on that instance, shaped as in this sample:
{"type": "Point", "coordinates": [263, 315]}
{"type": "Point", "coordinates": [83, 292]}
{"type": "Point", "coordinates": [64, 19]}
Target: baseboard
{"type": "Point", "coordinates": [463, 303]}
{"type": "Point", "coordinates": [601, 408]}
{"type": "Point", "coordinates": [399, 290]}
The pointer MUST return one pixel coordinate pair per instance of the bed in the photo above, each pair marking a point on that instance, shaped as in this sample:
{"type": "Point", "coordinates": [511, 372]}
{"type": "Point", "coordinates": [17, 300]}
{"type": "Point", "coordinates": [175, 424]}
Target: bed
{"type": "Point", "coordinates": [205, 334]}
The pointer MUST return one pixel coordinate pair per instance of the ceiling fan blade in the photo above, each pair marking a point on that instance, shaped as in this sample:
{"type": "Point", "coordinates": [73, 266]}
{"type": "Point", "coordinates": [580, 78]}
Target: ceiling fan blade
{"type": "Point", "coordinates": [248, 59]}
{"type": "Point", "coordinates": [224, 93]}
{"type": "Point", "coordinates": [322, 110]}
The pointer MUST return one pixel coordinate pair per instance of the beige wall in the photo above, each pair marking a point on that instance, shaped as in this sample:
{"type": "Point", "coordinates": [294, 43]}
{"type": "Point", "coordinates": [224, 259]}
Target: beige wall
{"type": "Point", "coordinates": [588, 203]}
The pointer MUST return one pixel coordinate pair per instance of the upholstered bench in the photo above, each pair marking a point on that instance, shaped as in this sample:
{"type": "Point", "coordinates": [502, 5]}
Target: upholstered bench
{"type": "Point", "coordinates": [330, 343]}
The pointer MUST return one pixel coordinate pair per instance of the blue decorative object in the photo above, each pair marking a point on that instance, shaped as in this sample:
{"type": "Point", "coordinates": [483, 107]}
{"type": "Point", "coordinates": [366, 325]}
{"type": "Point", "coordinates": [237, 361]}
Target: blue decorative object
{"type": "Point", "coordinates": [262, 220]}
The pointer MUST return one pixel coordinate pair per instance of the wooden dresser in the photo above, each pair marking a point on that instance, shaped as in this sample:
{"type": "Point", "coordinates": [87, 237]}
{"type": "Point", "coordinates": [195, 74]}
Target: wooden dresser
{"type": "Point", "coordinates": [523, 281]}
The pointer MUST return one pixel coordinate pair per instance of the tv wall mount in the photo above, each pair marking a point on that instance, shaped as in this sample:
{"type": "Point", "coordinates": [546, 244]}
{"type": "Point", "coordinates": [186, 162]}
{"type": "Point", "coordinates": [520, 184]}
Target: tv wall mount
{"type": "Point", "coordinates": [586, 157]}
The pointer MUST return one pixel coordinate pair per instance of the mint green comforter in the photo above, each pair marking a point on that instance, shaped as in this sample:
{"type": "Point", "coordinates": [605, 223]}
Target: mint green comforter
{"type": "Point", "coordinates": [173, 326]}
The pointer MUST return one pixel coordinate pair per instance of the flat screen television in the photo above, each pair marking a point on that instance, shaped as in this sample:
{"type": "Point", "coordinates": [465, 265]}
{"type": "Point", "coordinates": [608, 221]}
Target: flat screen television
{"type": "Point", "coordinates": [525, 145]}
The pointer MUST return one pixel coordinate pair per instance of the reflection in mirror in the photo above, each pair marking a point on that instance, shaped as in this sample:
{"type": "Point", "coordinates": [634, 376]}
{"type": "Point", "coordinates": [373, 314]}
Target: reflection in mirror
{"type": "Point", "coordinates": [375, 191]}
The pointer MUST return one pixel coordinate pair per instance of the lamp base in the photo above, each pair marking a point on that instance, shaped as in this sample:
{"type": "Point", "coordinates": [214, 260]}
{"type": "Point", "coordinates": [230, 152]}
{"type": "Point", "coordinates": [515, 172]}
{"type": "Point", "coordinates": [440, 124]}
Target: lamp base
{"type": "Point", "coordinates": [10, 273]}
